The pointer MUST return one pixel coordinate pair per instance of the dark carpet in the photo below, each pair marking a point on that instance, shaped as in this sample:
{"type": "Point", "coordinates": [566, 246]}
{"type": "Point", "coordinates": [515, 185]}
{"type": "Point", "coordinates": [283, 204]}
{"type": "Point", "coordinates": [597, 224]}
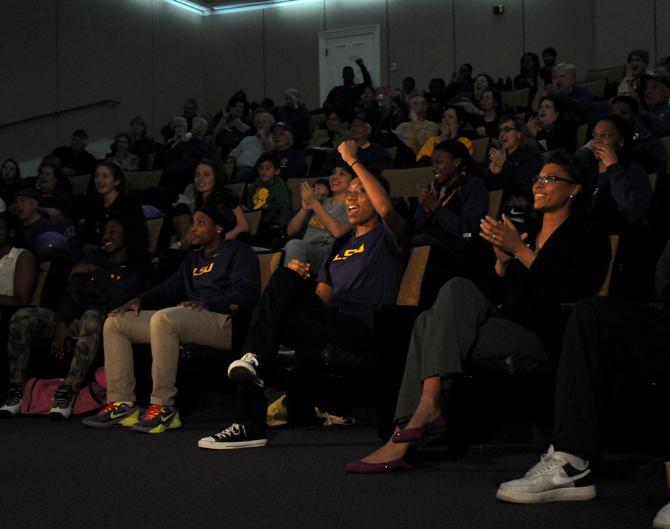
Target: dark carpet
{"type": "Point", "coordinates": [62, 475]}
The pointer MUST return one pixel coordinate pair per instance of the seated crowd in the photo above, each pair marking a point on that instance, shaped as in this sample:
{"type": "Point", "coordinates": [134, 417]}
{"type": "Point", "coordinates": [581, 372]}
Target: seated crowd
{"type": "Point", "coordinates": [514, 285]}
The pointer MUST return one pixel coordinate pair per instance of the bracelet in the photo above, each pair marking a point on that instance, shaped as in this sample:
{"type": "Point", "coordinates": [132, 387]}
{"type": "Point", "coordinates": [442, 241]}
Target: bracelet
{"type": "Point", "coordinates": [355, 162]}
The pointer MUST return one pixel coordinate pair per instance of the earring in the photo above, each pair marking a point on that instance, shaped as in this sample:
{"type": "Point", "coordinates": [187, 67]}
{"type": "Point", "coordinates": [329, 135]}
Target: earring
{"type": "Point", "coordinates": [571, 196]}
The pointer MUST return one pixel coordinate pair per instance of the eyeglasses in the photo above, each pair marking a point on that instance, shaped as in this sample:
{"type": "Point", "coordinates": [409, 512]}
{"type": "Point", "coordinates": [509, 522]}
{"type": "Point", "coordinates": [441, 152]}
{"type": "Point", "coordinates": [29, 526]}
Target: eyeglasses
{"type": "Point", "coordinates": [507, 129]}
{"type": "Point", "coordinates": [547, 179]}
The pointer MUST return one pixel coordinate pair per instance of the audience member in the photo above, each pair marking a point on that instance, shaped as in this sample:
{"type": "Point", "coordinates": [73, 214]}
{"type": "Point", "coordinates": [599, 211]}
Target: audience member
{"type": "Point", "coordinates": [638, 65]}
{"type": "Point", "coordinates": [100, 282]}
{"type": "Point", "coordinates": [231, 127]}
{"type": "Point", "coordinates": [529, 73]}
{"type": "Point", "coordinates": [10, 179]}
{"type": "Point", "coordinates": [121, 153]}
{"type": "Point", "coordinates": [296, 115]}
{"type": "Point", "coordinates": [189, 111]}
{"type": "Point", "coordinates": [608, 344]}
{"type": "Point", "coordinates": [409, 88]}
{"type": "Point", "coordinates": [575, 101]}
{"type": "Point", "coordinates": [387, 116]}
{"type": "Point", "coordinates": [269, 193]}
{"type": "Point", "coordinates": [549, 59]}
{"type": "Point", "coordinates": [212, 278]}
{"type": "Point", "coordinates": [512, 167]}
{"type": "Point", "coordinates": [207, 187]}
{"type": "Point", "coordinates": [451, 128]}
{"type": "Point", "coordinates": [249, 150]}
{"type": "Point", "coordinates": [55, 202]}
{"type": "Point", "coordinates": [461, 82]}
{"type": "Point", "coordinates": [563, 262]}
{"type": "Point", "coordinates": [109, 200]}
{"type": "Point", "coordinates": [656, 90]}
{"type": "Point", "coordinates": [75, 159]}
{"type": "Point", "coordinates": [18, 269]}
{"type": "Point", "coordinates": [362, 271]}
{"type": "Point", "coordinates": [415, 132]}
{"type": "Point", "coordinates": [323, 221]}
{"type": "Point", "coordinates": [450, 209]}
{"type": "Point", "coordinates": [141, 144]}
{"type": "Point", "coordinates": [436, 95]}
{"type": "Point", "coordinates": [485, 122]}
{"type": "Point", "coordinates": [292, 162]}
{"type": "Point", "coordinates": [550, 129]}
{"type": "Point", "coordinates": [345, 96]}
{"type": "Point", "coordinates": [375, 157]}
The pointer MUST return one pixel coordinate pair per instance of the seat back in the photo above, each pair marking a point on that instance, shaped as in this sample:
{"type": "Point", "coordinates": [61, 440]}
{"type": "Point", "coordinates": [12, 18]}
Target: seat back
{"type": "Point", "coordinates": [614, 245]}
{"type": "Point", "coordinates": [516, 100]}
{"type": "Point", "coordinates": [495, 198]}
{"type": "Point", "coordinates": [254, 220]}
{"type": "Point", "coordinates": [229, 168]}
{"type": "Point", "coordinates": [404, 182]}
{"type": "Point", "coordinates": [480, 149]}
{"type": "Point", "coordinates": [268, 263]}
{"type": "Point", "coordinates": [613, 75]}
{"type": "Point", "coordinates": [581, 135]}
{"type": "Point", "coordinates": [153, 233]}
{"type": "Point", "coordinates": [39, 286]}
{"type": "Point", "coordinates": [653, 177]}
{"type": "Point", "coordinates": [410, 284]}
{"type": "Point", "coordinates": [666, 144]}
{"type": "Point", "coordinates": [79, 184]}
{"type": "Point", "coordinates": [142, 180]}
{"type": "Point", "coordinates": [596, 87]}
{"type": "Point", "coordinates": [239, 188]}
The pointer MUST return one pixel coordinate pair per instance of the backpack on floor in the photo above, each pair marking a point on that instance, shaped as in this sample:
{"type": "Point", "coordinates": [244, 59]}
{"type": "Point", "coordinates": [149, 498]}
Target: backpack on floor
{"type": "Point", "coordinates": [38, 395]}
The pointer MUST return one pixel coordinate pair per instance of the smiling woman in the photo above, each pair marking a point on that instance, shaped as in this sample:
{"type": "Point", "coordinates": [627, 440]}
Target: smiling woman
{"type": "Point", "coordinates": [362, 271]}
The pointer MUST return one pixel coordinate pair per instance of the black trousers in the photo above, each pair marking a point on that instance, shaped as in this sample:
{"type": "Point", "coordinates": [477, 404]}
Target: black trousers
{"type": "Point", "coordinates": [290, 313]}
{"type": "Point", "coordinates": [607, 344]}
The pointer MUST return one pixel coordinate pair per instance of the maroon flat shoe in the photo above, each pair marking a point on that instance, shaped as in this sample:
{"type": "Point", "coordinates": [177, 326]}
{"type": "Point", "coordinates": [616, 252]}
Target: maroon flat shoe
{"type": "Point", "coordinates": [410, 435]}
{"type": "Point", "coordinates": [361, 467]}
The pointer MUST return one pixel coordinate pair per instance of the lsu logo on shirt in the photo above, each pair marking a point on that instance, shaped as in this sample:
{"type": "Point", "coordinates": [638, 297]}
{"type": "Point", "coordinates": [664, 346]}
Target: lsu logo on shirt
{"type": "Point", "coordinates": [349, 253]}
{"type": "Point", "coordinates": [203, 270]}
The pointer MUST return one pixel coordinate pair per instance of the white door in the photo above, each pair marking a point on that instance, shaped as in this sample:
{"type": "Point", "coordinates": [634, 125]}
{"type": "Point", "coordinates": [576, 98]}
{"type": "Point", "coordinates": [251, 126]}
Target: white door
{"type": "Point", "coordinates": [341, 47]}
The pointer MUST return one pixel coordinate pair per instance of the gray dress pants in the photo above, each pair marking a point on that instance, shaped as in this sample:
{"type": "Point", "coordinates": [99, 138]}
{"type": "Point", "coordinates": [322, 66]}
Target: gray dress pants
{"type": "Point", "coordinates": [460, 329]}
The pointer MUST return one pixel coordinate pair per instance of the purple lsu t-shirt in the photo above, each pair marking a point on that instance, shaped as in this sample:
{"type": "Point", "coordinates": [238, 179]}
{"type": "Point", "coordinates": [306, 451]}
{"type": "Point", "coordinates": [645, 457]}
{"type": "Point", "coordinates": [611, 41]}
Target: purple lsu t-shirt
{"type": "Point", "coordinates": [364, 272]}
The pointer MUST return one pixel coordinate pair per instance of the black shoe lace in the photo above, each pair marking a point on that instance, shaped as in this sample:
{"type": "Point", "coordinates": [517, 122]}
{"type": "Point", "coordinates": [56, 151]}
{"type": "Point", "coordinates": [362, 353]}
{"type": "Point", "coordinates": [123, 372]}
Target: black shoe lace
{"type": "Point", "coordinates": [63, 397]}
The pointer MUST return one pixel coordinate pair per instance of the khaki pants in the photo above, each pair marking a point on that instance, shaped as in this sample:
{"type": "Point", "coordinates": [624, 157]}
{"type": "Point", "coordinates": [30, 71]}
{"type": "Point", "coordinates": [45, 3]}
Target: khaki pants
{"type": "Point", "coordinates": [164, 329]}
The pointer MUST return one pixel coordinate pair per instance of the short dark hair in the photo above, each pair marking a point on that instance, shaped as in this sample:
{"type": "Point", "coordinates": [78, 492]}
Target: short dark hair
{"type": "Point", "coordinates": [627, 100]}
{"type": "Point", "coordinates": [549, 51]}
{"type": "Point", "coordinates": [642, 54]}
{"type": "Point", "coordinates": [269, 157]}
{"type": "Point", "coordinates": [117, 173]}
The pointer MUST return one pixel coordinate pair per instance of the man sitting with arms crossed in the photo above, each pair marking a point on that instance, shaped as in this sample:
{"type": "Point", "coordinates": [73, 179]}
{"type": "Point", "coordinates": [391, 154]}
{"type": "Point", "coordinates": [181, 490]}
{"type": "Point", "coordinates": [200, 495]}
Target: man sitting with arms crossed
{"type": "Point", "coordinates": [211, 279]}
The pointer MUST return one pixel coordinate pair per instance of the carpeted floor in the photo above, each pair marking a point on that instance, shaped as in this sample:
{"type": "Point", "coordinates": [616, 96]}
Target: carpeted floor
{"type": "Point", "coordinates": [62, 475]}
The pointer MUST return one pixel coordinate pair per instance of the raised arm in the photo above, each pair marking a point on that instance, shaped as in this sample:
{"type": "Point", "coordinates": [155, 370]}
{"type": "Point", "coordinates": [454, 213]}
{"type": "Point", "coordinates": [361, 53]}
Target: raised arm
{"type": "Point", "coordinates": [374, 189]}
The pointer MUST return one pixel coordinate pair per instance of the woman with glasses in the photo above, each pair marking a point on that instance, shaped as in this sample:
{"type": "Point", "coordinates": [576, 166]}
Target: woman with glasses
{"type": "Point", "coordinates": [512, 165]}
{"type": "Point", "coordinates": [563, 261]}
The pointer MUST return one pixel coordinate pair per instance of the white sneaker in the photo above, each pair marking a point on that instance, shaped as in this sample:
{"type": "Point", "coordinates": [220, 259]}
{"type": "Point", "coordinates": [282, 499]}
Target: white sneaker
{"type": "Point", "coordinates": [662, 520]}
{"type": "Point", "coordinates": [554, 478]}
{"type": "Point", "coordinates": [244, 369]}
{"type": "Point", "coordinates": [12, 405]}
{"type": "Point", "coordinates": [63, 402]}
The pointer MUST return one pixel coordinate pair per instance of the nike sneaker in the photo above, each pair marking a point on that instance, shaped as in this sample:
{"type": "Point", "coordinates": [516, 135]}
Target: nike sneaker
{"type": "Point", "coordinates": [555, 478]}
{"type": "Point", "coordinates": [157, 419]}
{"type": "Point", "coordinates": [113, 413]}
{"type": "Point", "coordinates": [236, 436]}
{"type": "Point", "coordinates": [12, 405]}
{"type": "Point", "coordinates": [63, 402]}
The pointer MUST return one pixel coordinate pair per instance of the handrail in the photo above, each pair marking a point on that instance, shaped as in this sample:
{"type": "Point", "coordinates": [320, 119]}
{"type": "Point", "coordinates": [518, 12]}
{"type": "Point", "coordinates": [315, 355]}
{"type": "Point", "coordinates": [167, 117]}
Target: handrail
{"type": "Point", "coordinates": [105, 102]}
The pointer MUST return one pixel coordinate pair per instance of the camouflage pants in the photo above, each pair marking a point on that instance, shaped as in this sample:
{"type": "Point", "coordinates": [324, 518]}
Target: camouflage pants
{"type": "Point", "coordinates": [34, 323]}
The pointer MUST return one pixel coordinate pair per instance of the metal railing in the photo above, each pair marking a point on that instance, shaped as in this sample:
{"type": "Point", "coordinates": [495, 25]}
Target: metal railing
{"type": "Point", "coordinates": [53, 115]}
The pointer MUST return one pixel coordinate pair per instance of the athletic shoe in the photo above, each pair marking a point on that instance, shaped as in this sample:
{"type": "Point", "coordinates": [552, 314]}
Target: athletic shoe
{"type": "Point", "coordinates": [236, 436]}
{"type": "Point", "coordinates": [554, 478]}
{"type": "Point", "coordinates": [244, 369]}
{"type": "Point", "coordinates": [113, 413]}
{"type": "Point", "coordinates": [63, 402]}
{"type": "Point", "coordinates": [662, 520]}
{"type": "Point", "coordinates": [12, 405]}
{"type": "Point", "coordinates": [157, 419]}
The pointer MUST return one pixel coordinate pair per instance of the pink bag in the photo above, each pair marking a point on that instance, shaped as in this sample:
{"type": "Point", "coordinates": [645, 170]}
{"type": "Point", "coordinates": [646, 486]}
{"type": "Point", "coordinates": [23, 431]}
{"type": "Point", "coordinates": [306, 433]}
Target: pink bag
{"type": "Point", "coordinates": [38, 395]}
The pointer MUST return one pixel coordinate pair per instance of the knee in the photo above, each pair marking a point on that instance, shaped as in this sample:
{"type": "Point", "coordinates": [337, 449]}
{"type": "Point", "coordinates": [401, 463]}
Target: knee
{"type": "Point", "coordinates": [294, 249]}
{"type": "Point", "coordinates": [113, 325]}
{"type": "Point", "coordinates": [165, 319]}
{"type": "Point", "coordinates": [455, 288]}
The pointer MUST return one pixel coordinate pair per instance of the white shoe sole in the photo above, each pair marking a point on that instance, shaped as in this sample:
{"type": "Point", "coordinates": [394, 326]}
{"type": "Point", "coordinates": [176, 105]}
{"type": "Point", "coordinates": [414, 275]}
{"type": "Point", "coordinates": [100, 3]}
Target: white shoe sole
{"type": "Point", "coordinates": [564, 494]}
{"type": "Point", "coordinates": [661, 523]}
{"type": "Point", "coordinates": [60, 414]}
{"type": "Point", "coordinates": [240, 371]}
{"type": "Point", "coordinates": [216, 445]}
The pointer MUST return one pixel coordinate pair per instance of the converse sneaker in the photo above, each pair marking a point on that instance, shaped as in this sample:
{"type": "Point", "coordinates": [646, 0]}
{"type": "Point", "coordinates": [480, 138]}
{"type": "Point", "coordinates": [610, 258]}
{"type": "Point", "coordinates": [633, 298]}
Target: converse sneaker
{"type": "Point", "coordinates": [113, 413]}
{"type": "Point", "coordinates": [554, 478]}
{"type": "Point", "coordinates": [157, 419]}
{"type": "Point", "coordinates": [662, 520]}
{"type": "Point", "coordinates": [63, 402]}
{"type": "Point", "coordinates": [244, 369]}
{"type": "Point", "coordinates": [12, 405]}
{"type": "Point", "coordinates": [236, 436]}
